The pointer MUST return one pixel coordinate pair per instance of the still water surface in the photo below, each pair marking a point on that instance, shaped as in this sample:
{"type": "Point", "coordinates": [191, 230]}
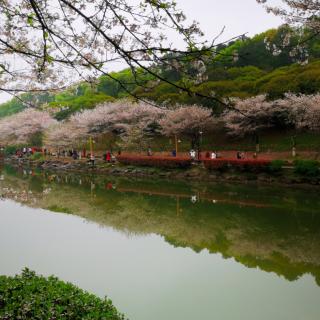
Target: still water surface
{"type": "Point", "coordinates": [168, 250]}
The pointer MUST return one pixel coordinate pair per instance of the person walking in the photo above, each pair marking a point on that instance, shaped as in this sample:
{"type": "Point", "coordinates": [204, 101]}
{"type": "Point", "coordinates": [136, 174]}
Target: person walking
{"type": "Point", "coordinates": [192, 154]}
{"type": "Point", "coordinates": [75, 155]}
{"type": "Point", "coordinates": [92, 159]}
{"type": "Point", "coordinates": [108, 156]}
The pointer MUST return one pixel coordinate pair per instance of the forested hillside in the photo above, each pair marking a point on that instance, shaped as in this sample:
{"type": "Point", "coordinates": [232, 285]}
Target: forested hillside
{"type": "Point", "coordinates": [273, 63]}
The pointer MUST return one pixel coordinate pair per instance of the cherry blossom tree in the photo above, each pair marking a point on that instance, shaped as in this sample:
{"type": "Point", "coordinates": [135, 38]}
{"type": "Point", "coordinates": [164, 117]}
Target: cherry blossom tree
{"type": "Point", "coordinates": [65, 134]}
{"type": "Point", "coordinates": [303, 17]}
{"type": "Point", "coordinates": [19, 128]}
{"type": "Point", "coordinates": [117, 117]}
{"type": "Point", "coordinates": [121, 118]}
{"type": "Point", "coordinates": [297, 12]}
{"type": "Point", "coordinates": [187, 120]}
{"type": "Point", "coordinates": [59, 41]}
{"type": "Point", "coordinates": [252, 115]}
{"type": "Point", "coordinates": [304, 110]}
{"type": "Point", "coordinates": [132, 122]}
{"type": "Point", "coordinates": [134, 138]}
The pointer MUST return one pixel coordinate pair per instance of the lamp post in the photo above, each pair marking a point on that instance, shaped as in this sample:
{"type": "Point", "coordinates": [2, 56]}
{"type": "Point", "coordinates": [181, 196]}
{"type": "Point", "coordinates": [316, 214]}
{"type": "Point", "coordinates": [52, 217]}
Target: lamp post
{"type": "Point", "coordinates": [176, 144]}
{"type": "Point", "coordinates": [91, 142]}
{"type": "Point", "coordinates": [257, 141]}
{"type": "Point", "coordinates": [294, 146]}
{"type": "Point", "coordinates": [200, 144]}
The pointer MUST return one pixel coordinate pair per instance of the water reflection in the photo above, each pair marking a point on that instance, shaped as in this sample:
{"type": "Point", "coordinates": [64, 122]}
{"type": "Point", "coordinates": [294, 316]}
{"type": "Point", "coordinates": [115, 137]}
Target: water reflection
{"type": "Point", "coordinates": [273, 229]}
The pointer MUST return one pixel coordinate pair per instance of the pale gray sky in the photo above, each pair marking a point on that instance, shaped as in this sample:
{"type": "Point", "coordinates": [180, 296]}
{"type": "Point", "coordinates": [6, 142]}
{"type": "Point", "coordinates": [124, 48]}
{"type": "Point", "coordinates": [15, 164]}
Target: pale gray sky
{"type": "Point", "coordinates": [238, 17]}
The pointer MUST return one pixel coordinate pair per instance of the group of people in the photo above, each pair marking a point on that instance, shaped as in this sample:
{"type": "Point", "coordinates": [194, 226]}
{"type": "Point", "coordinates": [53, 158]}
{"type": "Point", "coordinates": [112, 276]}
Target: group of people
{"type": "Point", "coordinates": [78, 155]}
{"type": "Point", "coordinates": [210, 155]}
{"type": "Point", "coordinates": [72, 153]}
{"type": "Point", "coordinates": [25, 151]}
{"type": "Point", "coordinates": [109, 157]}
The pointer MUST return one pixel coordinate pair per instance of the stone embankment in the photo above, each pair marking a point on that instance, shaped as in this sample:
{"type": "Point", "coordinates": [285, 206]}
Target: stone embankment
{"type": "Point", "coordinates": [197, 172]}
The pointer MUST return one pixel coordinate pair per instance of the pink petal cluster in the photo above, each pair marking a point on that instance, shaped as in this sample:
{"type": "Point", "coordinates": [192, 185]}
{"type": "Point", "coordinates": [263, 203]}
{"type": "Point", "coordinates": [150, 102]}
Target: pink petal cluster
{"type": "Point", "coordinates": [257, 113]}
{"type": "Point", "coordinates": [19, 128]}
{"type": "Point", "coordinates": [188, 120]}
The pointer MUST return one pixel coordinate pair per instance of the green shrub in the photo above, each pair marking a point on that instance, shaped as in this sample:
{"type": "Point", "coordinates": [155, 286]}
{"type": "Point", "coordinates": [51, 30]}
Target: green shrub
{"type": "Point", "coordinates": [28, 296]}
{"type": "Point", "coordinates": [276, 166]}
{"type": "Point", "coordinates": [37, 156]}
{"type": "Point", "coordinates": [306, 167]}
{"type": "Point", "coordinates": [10, 150]}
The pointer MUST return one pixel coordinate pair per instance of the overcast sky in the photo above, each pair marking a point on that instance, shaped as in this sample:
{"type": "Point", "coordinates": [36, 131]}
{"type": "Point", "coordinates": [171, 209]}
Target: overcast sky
{"type": "Point", "coordinates": [237, 16]}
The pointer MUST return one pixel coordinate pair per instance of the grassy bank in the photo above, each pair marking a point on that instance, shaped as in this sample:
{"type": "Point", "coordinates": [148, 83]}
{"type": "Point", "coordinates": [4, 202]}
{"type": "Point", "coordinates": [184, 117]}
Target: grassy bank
{"type": "Point", "coordinates": [29, 296]}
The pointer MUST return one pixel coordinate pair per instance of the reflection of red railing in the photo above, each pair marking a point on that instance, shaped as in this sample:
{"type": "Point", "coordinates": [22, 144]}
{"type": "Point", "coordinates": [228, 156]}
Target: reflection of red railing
{"type": "Point", "coordinates": [155, 161]}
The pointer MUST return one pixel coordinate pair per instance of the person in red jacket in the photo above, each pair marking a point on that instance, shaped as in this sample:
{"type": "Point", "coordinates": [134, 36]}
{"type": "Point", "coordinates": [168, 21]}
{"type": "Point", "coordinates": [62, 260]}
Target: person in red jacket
{"type": "Point", "coordinates": [108, 156]}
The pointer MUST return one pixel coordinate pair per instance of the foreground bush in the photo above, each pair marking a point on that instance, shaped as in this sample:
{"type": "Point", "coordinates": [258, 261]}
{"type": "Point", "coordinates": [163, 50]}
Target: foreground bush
{"type": "Point", "coordinates": [28, 296]}
{"type": "Point", "coordinates": [276, 166]}
{"type": "Point", "coordinates": [308, 168]}
{"type": "Point", "coordinates": [167, 162]}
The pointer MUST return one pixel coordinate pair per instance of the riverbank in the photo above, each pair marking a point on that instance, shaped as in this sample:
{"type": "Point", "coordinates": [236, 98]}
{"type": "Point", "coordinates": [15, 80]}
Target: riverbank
{"type": "Point", "coordinates": [286, 175]}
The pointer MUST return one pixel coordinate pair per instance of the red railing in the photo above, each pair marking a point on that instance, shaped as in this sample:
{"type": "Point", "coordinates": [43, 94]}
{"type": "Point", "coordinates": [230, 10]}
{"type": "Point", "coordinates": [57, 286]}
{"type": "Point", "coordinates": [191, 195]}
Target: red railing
{"type": "Point", "coordinates": [184, 162]}
{"type": "Point", "coordinates": [219, 163]}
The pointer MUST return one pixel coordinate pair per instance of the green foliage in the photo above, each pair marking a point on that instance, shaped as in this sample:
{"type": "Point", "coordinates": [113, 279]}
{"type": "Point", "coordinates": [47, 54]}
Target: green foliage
{"type": "Point", "coordinates": [28, 296]}
{"type": "Point", "coordinates": [276, 166]}
{"type": "Point", "coordinates": [16, 105]}
{"type": "Point", "coordinates": [11, 150]}
{"type": "Point", "coordinates": [112, 86]}
{"type": "Point", "coordinates": [276, 263]}
{"type": "Point", "coordinates": [37, 156]}
{"type": "Point", "coordinates": [36, 139]}
{"type": "Point", "coordinates": [73, 104]}
{"type": "Point", "coordinates": [243, 82]}
{"type": "Point", "coordinates": [245, 73]}
{"type": "Point", "coordinates": [56, 208]}
{"type": "Point", "coordinates": [11, 107]}
{"type": "Point", "coordinates": [309, 168]}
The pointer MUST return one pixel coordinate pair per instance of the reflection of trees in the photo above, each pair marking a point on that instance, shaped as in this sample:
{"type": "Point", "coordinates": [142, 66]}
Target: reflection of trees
{"type": "Point", "coordinates": [258, 231]}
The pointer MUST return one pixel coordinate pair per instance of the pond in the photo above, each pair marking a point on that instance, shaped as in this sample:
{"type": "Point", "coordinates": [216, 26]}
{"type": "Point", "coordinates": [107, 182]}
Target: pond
{"type": "Point", "coordinates": [164, 249]}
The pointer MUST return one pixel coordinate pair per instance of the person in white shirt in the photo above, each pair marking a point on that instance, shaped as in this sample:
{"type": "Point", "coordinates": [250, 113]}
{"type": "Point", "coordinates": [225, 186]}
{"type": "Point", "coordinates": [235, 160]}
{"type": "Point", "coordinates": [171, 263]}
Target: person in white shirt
{"type": "Point", "coordinates": [192, 154]}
